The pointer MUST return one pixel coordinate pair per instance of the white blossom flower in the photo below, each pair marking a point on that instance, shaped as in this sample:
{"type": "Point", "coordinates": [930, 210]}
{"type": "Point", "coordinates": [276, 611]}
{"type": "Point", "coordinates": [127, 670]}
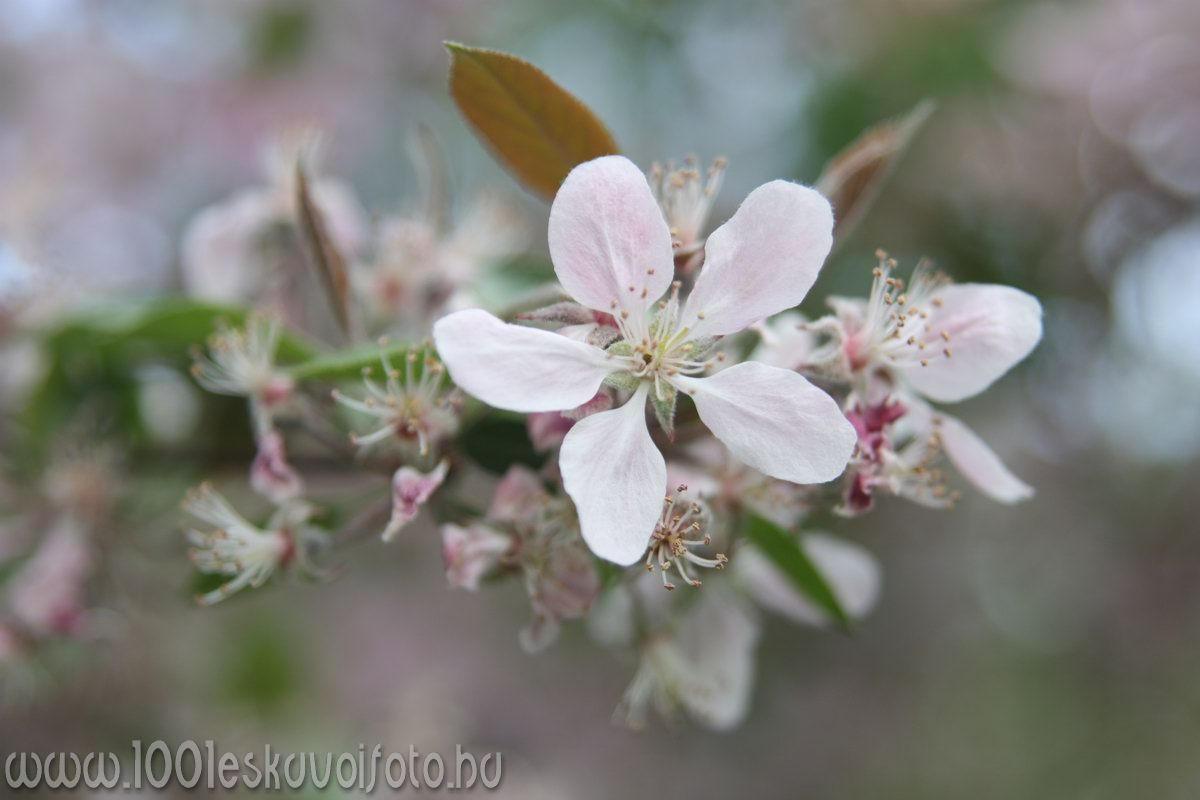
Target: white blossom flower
{"type": "Point", "coordinates": [225, 248]}
{"type": "Point", "coordinates": [705, 665]}
{"type": "Point", "coordinates": [419, 269]}
{"type": "Point", "coordinates": [934, 340]}
{"type": "Point", "coordinates": [943, 341]}
{"type": "Point", "coordinates": [410, 490]}
{"type": "Point", "coordinates": [241, 363]}
{"type": "Point", "coordinates": [249, 555]}
{"type": "Point", "coordinates": [686, 197]}
{"type": "Point", "coordinates": [414, 412]}
{"type": "Point", "coordinates": [612, 252]}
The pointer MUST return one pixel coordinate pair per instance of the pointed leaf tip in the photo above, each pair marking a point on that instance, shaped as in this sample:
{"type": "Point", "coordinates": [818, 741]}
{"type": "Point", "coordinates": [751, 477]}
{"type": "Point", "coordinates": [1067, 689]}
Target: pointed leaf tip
{"type": "Point", "coordinates": [538, 130]}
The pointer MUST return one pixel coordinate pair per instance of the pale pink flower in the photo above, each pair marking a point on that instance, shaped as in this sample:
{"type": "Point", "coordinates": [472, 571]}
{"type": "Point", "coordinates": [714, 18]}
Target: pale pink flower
{"type": "Point", "coordinates": [226, 248]}
{"type": "Point", "coordinates": [271, 475]}
{"type": "Point", "coordinates": [472, 551]}
{"type": "Point", "coordinates": [686, 196]}
{"type": "Point", "coordinates": [241, 363]}
{"type": "Point", "coordinates": [902, 347]}
{"type": "Point", "coordinates": [247, 554]}
{"type": "Point", "coordinates": [705, 665]}
{"type": "Point", "coordinates": [411, 489]}
{"type": "Point", "coordinates": [46, 596]}
{"type": "Point", "coordinates": [612, 252]}
{"type": "Point", "coordinates": [410, 408]}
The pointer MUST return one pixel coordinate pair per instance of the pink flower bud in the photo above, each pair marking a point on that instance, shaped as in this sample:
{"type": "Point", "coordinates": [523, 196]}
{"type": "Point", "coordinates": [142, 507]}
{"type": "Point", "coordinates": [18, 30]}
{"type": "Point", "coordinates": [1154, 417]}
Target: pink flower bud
{"type": "Point", "coordinates": [47, 595]}
{"type": "Point", "coordinates": [271, 475]}
{"type": "Point", "coordinates": [410, 490]}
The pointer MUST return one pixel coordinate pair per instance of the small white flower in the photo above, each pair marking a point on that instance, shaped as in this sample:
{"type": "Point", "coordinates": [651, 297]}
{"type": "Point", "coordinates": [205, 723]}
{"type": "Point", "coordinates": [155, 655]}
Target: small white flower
{"type": "Point", "coordinates": [413, 411]}
{"type": "Point", "coordinates": [247, 554]}
{"type": "Point", "coordinates": [241, 363]}
{"type": "Point", "coordinates": [410, 490]}
{"type": "Point", "coordinates": [943, 341]}
{"type": "Point", "coordinates": [226, 248]}
{"type": "Point", "coordinates": [612, 252]}
{"type": "Point", "coordinates": [705, 665]}
{"type": "Point", "coordinates": [686, 197]}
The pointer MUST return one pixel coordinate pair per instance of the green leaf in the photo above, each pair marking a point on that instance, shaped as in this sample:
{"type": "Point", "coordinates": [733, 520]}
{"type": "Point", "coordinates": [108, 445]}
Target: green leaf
{"type": "Point", "coordinates": [349, 363]}
{"type": "Point", "coordinates": [498, 441]}
{"type": "Point", "coordinates": [788, 555]}
{"type": "Point", "coordinates": [537, 129]}
{"type": "Point", "coordinates": [853, 178]}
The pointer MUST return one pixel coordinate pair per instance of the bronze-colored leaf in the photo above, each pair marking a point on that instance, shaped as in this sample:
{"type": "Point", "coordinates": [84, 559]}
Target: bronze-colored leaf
{"type": "Point", "coordinates": [537, 129]}
{"type": "Point", "coordinates": [323, 251]}
{"type": "Point", "coordinates": [852, 179]}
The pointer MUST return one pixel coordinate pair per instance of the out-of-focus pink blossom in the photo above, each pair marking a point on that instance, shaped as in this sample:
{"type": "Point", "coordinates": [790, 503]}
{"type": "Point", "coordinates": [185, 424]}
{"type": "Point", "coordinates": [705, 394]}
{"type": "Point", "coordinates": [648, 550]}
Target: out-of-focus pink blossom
{"type": "Point", "coordinates": [472, 551]}
{"type": "Point", "coordinates": [411, 489]}
{"type": "Point", "coordinates": [47, 595]}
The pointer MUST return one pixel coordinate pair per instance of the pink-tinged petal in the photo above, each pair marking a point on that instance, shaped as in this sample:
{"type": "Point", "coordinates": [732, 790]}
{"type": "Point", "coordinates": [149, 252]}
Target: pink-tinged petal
{"type": "Point", "coordinates": [762, 261]}
{"type": "Point", "coordinates": [608, 239]}
{"type": "Point", "coordinates": [518, 495]}
{"type": "Point", "coordinates": [410, 490]}
{"type": "Point", "coordinates": [852, 573]}
{"type": "Point", "coordinates": [774, 421]}
{"type": "Point", "coordinates": [987, 328]}
{"type": "Point", "coordinates": [547, 429]}
{"type": "Point", "coordinates": [271, 475]}
{"type": "Point", "coordinates": [617, 478]}
{"type": "Point", "coordinates": [46, 595]}
{"type": "Point", "coordinates": [517, 368]}
{"type": "Point", "coordinates": [978, 463]}
{"type": "Point", "coordinates": [470, 553]}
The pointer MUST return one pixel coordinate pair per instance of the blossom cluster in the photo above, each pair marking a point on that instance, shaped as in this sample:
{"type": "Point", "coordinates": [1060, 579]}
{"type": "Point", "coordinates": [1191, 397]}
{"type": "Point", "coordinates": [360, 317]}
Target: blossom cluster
{"type": "Point", "coordinates": [673, 400]}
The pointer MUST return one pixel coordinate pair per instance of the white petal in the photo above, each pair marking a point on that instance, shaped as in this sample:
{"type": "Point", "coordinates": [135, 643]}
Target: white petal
{"type": "Point", "coordinates": [852, 573]}
{"type": "Point", "coordinates": [762, 261]}
{"type": "Point", "coordinates": [978, 463]}
{"type": "Point", "coordinates": [990, 329]}
{"type": "Point", "coordinates": [717, 640]}
{"type": "Point", "coordinates": [608, 238]}
{"type": "Point", "coordinates": [517, 368]}
{"type": "Point", "coordinates": [617, 478]}
{"type": "Point", "coordinates": [775, 421]}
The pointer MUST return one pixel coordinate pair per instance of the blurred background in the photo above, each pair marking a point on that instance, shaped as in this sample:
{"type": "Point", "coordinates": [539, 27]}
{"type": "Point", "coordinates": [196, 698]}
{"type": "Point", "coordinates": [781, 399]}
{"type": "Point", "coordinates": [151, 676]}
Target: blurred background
{"type": "Point", "coordinates": [1050, 649]}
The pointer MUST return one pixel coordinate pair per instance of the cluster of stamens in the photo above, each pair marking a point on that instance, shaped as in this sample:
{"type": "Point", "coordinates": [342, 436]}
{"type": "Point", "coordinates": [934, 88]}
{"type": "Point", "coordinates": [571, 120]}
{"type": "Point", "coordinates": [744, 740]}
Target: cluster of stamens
{"type": "Point", "coordinates": [662, 350]}
{"type": "Point", "coordinates": [914, 473]}
{"type": "Point", "coordinates": [245, 553]}
{"type": "Point", "coordinates": [686, 196]}
{"type": "Point", "coordinates": [897, 325]}
{"type": "Point", "coordinates": [679, 531]}
{"type": "Point", "coordinates": [410, 406]}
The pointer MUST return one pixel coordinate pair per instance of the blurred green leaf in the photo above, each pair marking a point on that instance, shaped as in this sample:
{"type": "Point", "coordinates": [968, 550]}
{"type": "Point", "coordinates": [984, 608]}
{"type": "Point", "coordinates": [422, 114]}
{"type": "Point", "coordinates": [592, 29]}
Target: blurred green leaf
{"type": "Point", "coordinates": [785, 550]}
{"type": "Point", "coordinates": [91, 362]}
{"type": "Point", "coordinates": [280, 36]}
{"type": "Point", "coordinates": [497, 441]}
{"type": "Point", "coordinates": [261, 665]}
{"type": "Point", "coordinates": [537, 129]}
{"type": "Point", "coordinates": [349, 363]}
